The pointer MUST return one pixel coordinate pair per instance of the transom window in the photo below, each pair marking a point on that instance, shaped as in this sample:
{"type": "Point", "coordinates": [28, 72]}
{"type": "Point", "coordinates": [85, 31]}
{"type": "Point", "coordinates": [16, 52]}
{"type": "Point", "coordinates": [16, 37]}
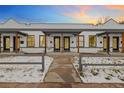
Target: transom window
{"type": "Point", "coordinates": [81, 41]}
{"type": "Point", "coordinates": [31, 41]}
{"type": "Point", "coordinates": [42, 41]}
{"type": "Point", "coordinates": [92, 41]}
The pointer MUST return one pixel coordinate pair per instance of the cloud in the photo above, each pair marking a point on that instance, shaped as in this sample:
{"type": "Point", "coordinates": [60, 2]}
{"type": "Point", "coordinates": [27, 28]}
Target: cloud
{"type": "Point", "coordinates": [81, 17]}
{"type": "Point", "coordinates": [116, 7]}
{"type": "Point", "coordinates": [78, 15]}
{"type": "Point", "coordinates": [84, 7]}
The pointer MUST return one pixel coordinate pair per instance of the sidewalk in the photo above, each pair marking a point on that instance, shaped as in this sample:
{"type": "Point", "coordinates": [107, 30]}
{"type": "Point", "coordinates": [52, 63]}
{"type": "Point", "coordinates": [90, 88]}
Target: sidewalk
{"type": "Point", "coordinates": [62, 70]}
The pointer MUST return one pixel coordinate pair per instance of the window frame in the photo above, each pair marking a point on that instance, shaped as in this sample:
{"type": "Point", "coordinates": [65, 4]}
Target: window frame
{"type": "Point", "coordinates": [28, 42]}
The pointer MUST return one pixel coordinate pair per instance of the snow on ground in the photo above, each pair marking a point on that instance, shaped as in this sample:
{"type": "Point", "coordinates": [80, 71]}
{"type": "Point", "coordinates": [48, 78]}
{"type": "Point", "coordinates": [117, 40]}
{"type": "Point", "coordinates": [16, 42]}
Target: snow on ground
{"type": "Point", "coordinates": [101, 74]}
{"type": "Point", "coordinates": [23, 72]}
{"type": "Point", "coordinates": [21, 59]}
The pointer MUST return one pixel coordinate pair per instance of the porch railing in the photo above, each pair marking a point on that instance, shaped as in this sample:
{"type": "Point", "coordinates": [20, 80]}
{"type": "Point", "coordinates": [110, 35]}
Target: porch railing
{"type": "Point", "coordinates": [81, 64]}
{"type": "Point", "coordinates": [27, 63]}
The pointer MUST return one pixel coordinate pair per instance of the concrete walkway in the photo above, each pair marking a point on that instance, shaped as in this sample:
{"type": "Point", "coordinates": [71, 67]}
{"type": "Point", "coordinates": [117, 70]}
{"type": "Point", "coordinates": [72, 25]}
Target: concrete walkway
{"type": "Point", "coordinates": [62, 70]}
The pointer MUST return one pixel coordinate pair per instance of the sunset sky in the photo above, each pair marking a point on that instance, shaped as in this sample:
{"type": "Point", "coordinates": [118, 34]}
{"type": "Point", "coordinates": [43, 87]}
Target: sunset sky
{"type": "Point", "coordinates": [61, 14]}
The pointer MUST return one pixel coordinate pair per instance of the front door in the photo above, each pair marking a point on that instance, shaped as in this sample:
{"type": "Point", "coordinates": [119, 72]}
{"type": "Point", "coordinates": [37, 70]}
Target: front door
{"type": "Point", "coordinates": [66, 43]}
{"type": "Point", "coordinates": [57, 44]}
{"type": "Point", "coordinates": [6, 43]}
{"type": "Point", "coordinates": [16, 44]}
{"type": "Point", "coordinates": [105, 43]}
{"type": "Point", "coordinates": [115, 44]}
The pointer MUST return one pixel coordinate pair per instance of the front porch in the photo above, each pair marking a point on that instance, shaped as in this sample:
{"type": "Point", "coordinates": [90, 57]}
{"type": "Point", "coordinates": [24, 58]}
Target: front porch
{"type": "Point", "coordinates": [10, 41]}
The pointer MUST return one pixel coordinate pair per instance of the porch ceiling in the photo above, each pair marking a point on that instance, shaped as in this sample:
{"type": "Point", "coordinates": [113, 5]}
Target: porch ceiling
{"type": "Point", "coordinates": [21, 33]}
{"type": "Point", "coordinates": [62, 30]}
{"type": "Point", "coordinates": [103, 33]}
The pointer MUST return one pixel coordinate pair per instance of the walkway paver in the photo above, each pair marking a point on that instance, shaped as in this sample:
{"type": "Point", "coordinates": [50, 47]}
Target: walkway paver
{"type": "Point", "coordinates": [62, 70]}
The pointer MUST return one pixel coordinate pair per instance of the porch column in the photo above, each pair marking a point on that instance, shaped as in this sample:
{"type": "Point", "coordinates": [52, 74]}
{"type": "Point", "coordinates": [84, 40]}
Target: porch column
{"type": "Point", "coordinates": [78, 43]}
{"type": "Point", "coordinates": [123, 42]}
{"type": "Point", "coordinates": [17, 43]}
{"type": "Point", "coordinates": [107, 39]}
{"type": "Point", "coordinates": [45, 42]}
{"type": "Point", "coordinates": [62, 42]}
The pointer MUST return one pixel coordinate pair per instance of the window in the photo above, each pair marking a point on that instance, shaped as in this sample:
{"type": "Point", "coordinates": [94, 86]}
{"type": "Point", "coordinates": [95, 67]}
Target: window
{"type": "Point", "coordinates": [31, 41]}
{"type": "Point", "coordinates": [92, 41]}
{"type": "Point", "coordinates": [42, 41]}
{"type": "Point", "coordinates": [81, 41]}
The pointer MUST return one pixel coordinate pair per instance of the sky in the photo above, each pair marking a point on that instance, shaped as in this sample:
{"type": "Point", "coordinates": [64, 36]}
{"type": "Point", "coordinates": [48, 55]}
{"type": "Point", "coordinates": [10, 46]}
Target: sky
{"type": "Point", "coordinates": [61, 13]}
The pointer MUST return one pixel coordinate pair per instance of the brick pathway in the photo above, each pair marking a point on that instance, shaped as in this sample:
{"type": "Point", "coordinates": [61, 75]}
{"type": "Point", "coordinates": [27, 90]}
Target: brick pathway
{"type": "Point", "coordinates": [62, 70]}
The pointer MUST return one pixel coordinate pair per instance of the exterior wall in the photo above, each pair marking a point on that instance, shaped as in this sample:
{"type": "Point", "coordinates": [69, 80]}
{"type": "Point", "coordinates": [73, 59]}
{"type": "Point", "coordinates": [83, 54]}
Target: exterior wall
{"type": "Point", "coordinates": [23, 47]}
{"type": "Point", "coordinates": [86, 48]}
{"type": "Point", "coordinates": [37, 48]}
{"type": "Point", "coordinates": [99, 42]}
{"type": "Point", "coordinates": [11, 41]}
{"type": "Point", "coordinates": [50, 42]}
{"type": "Point", "coordinates": [111, 41]}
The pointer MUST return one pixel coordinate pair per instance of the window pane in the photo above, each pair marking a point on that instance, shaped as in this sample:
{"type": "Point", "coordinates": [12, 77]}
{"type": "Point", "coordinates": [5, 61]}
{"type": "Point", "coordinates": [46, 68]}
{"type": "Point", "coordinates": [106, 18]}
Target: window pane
{"type": "Point", "coordinates": [31, 41]}
{"type": "Point", "coordinates": [81, 41]}
{"type": "Point", "coordinates": [81, 44]}
{"type": "Point", "coordinates": [42, 41]}
{"type": "Point", "coordinates": [81, 38]}
{"type": "Point", "coordinates": [7, 43]}
{"type": "Point", "coordinates": [92, 41]}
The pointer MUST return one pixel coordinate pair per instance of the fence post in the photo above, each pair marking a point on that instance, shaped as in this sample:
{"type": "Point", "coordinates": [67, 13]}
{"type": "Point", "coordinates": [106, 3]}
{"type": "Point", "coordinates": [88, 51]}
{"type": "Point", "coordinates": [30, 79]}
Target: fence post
{"type": "Point", "coordinates": [43, 67]}
{"type": "Point", "coordinates": [80, 64]}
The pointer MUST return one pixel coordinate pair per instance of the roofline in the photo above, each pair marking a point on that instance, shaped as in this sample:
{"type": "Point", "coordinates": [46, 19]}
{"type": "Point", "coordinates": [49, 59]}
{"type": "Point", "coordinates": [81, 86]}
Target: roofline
{"type": "Point", "coordinates": [35, 29]}
{"type": "Point", "coordinates": [41, 22]}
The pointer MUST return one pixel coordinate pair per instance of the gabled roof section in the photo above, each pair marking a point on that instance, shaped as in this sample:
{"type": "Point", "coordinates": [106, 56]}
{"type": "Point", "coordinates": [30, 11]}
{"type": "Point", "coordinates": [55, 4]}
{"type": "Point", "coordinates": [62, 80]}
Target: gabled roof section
{"type": "Point", "coordinates": [110, 25]}
{"type": "Point", "coordinates": [13, 21]}
{"type": "Point", "coordinates": [111, 22]}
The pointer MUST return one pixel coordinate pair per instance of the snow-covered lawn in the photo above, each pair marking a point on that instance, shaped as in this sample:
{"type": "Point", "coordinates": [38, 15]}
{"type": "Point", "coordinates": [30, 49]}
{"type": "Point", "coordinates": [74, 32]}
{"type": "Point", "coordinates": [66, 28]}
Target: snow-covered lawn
{"type": "Point", "coordinates": [21, 59]}
{"type": "Point", "coordinates": [101, 74]}
{"type": "Point", "coordinates": [23, 72]}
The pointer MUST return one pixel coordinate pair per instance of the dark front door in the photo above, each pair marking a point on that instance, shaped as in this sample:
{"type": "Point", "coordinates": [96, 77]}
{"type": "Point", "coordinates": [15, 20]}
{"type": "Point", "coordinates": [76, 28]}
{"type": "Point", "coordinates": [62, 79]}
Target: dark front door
{"type": "Point", "coordinates": [6, 43]}
{"type": "Point", "coordinates": [16, 44]}
{"type": "Point", "coordinates": [66, 43]}
{"type": "Point", "coordinates": [57, 44]}
{"type": "Point", "coordinates": [115, 44]}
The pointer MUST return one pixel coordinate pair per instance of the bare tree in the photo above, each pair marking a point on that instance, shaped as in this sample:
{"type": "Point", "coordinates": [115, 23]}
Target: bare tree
{"type": "Point", "coordinates": [102, 20]}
